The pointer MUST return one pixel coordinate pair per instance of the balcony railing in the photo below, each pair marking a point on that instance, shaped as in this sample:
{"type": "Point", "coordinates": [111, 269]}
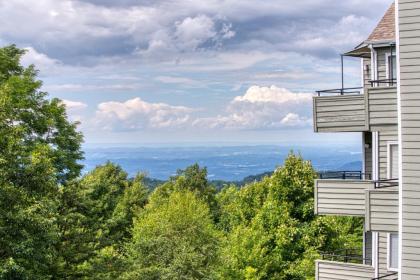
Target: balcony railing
{"type": "Point", "coordinates": [340, 91]}
{"type": "Point", "coordinates": [345, 256]}
{"type": "Point", "coordinates": [383, 82]}
{"type": "Point", "coordinates": [345, 175]}
{"type": "Point", "coordinates": [388, 183]}
{"type": "Point", "coordinates": [386, 276]}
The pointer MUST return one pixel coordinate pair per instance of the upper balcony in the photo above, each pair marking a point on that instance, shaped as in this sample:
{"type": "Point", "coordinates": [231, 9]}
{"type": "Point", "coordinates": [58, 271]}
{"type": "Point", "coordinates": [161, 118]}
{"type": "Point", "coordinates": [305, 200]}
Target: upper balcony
{"type": "Point", "coordinates": [355, 109]}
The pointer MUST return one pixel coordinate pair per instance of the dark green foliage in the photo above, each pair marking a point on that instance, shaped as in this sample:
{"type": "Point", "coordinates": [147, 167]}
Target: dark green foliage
{"type": "Point", "coordinates": [39, 150]}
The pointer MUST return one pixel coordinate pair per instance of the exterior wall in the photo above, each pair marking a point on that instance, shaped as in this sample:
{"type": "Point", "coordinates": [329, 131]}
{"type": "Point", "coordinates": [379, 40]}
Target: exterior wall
{"type": "Point", "coordinates": [341, 197]}
{"type": "Point", "coordinates": [386, 135]}
{"type": "Point", "coordinates": [340, 113]}
{"type": "Point", "coordinates": [382, 107]}
{"type": "Point", "coordinates": [326, 270]}
{"type": "Point", "coordinates": [409, 58]}
{"type": "Point", "coordinates": [382, 210]}
{"type": "Point", "coordinates": [383, 257]}
{"type": "Point", "coordinates": [367, 72]}
{"type": "Point", "coordinates": [381, 62]}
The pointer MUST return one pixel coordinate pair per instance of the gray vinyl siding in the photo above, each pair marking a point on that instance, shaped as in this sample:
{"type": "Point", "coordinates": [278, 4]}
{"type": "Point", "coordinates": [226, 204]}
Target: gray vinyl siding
{"type": "Point", "coordinates": [409, 23]}
{"type": "Point", "coordinates": [382, 107]}
{"type": "Point", "coordinates": [340, 113]}
{"type": "Point", "coordinates": [383, 256]}
{"type": "Point", "coordinates": [381, 61]}
{"type": "Point", "coordinates": [387, 134]}
{"type": "Point", "coordinates": [327, 270]}
{"type": "Point", "coordinates": [366, 74]}
{"type": "Point", "coordinates": [341, 197]}
{"type": "Point", "coordinates": [382, 210]}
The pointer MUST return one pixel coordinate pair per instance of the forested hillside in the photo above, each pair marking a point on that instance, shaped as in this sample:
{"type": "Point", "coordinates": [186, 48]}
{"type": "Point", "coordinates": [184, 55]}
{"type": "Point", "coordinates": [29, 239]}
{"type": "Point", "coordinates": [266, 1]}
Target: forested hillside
{"type": "Point", "coordinates": [57, 224]}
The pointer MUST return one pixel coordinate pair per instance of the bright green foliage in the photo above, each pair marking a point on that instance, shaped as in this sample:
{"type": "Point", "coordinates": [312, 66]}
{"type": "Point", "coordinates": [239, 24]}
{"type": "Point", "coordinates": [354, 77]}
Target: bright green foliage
{"type": "Point", "coordinates": [271, 231]}
{"type": "Point", "coordinates": [174, 239]}
{"type": "Point", "coordinates": [39, 149]}
{"type": "Point", "coordinates": [193, 179]}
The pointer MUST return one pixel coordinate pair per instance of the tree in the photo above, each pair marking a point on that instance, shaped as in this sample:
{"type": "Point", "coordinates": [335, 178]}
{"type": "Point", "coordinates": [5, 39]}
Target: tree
{"type": "Point", "coordinates": [174, 239]}
{"type": "Point", "coordinates": [96, 218]}
{"type": "Point", "coordinates": [194, 179]}
{"type": "Point", "coordinates": [271, 230]}
{"type": "Point", "coordinates": [39, 150]}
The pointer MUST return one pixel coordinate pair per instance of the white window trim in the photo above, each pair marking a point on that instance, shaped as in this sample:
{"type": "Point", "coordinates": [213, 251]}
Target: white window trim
{"type": "Point", "coordinates": [388, 253]}
{"type": "Point", "coordinates": [387, 55]}
{"type": "Point", "coordinates": [388, 158]}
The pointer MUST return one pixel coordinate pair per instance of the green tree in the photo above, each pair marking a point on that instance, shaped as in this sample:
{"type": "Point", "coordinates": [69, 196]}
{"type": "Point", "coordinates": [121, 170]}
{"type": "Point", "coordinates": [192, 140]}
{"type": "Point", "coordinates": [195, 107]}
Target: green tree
{"type": "Point", "coordinates": [39, 150]}
{"type": "Point", "coordinates": [96, 219]}
{"type": "Point", "coordinates": [194, 179]}
{"type": "Point", "coordinates": [174, 239]}
{"type": "Point", "coordinates": [271, 230]}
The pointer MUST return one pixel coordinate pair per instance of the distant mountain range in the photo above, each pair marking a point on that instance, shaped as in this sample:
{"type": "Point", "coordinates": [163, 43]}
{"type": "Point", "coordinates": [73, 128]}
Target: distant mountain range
{"type": "Point", "coordinates": [231, 164]}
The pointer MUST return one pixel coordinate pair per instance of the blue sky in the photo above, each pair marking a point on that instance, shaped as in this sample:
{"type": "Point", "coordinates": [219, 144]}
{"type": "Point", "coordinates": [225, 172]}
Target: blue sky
{"type": "Point", "coordinates": [181, 71]}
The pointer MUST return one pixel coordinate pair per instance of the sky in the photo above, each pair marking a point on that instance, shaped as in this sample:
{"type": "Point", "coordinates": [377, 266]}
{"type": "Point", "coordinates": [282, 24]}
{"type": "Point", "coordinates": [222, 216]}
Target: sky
{"type": "Point", "coordinates": [191, 71]}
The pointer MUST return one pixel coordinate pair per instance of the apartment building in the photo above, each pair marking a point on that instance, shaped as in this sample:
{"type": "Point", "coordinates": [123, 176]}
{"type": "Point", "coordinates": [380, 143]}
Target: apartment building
{"type": "Point", "coordinates": [385, 109]}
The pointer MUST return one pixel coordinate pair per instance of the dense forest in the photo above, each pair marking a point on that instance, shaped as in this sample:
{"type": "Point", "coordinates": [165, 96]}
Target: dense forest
{"type": "Point", "coordinates": [57, 224]}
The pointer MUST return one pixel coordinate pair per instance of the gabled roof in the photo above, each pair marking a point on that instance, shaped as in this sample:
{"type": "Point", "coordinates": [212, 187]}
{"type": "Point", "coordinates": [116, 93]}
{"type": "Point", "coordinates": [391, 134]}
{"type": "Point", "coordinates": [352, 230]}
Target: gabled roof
{"type": "Point", "coordinates": [385, 30]}
{"type": "Point", "coordinates": [384, 33]}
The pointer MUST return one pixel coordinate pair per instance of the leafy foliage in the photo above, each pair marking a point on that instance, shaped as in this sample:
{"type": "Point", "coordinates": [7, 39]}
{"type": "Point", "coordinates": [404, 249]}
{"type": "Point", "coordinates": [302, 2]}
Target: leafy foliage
{"type": "Point", "coordinates": [175, 239]}
{"type": "Point", "coordinates": [39, 151]}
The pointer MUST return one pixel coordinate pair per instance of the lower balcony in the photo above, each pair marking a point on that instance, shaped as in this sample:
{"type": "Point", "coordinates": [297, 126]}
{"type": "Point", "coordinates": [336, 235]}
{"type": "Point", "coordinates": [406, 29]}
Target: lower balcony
{"type": "Point", "coordinates": [332, 270]}
{"type": "Point", "coordinates": [341, 197]}
{"type": "Point", "coordinates": [382, 207]}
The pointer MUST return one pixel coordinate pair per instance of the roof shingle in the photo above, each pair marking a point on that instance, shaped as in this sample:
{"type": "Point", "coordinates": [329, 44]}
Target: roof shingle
{"type": "Point", "coordinates": [385, 30]}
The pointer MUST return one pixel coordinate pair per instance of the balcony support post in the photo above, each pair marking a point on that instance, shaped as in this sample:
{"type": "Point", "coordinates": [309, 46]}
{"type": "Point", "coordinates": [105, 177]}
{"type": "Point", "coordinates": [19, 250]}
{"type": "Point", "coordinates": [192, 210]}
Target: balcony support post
{"type": "Point", "coordinates": [342, 74]}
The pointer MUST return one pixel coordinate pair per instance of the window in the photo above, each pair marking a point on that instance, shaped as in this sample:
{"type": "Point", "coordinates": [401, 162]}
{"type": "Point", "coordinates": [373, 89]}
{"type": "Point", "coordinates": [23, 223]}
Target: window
{"type": "Point", "coordinates": [393, 170]}
{"type": "Point", "coordinates": [393, 251]}
{"type": "Point", "coordinates": [368, 247]}
{"type": "Point", "coordinates": [391, 70]}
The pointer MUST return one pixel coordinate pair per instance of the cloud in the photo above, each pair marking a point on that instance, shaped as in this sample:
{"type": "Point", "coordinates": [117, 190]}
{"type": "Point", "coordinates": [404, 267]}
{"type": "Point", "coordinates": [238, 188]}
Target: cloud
{"type": "Point", "coordinates": [263, 108]}
{"type": "Point", "coordinates": [259, 108]}
{"type": "Point", "coordinates": [92, 87]}
{"type": "Point", "coordinates": [192, 32]}
{"type": "Point", "coordinates": [74, 105]}
{"type": "Point", "coordinates": [75, 110]}
{"type": "Point", "coordinates": [136, 114]}
{"type": "Point", "coordinates": [83, 32]}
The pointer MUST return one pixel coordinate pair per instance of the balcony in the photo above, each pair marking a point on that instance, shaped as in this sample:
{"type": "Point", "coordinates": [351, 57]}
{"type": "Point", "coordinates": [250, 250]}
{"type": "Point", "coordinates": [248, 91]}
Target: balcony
{"type": "Point", "coordinates": [355, 109]}
{"type": "Point", "coordinates": [382, 207]}
{"type": "Point", "coordinates": [341, 197]}
{"type": "Point", "coordinates": [347, 194]}
{"type": "Point", "coordinates": [341, 110]}
{"type": "Point", "coordinates": [332, 270]}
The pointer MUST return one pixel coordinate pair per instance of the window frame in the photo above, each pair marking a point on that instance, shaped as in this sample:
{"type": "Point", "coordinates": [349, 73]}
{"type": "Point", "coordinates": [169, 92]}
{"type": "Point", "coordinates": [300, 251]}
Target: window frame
{"type": "Point", "coordinates": [387, 56]}
{"type": "Point", "coordinates": [388, 253]}
{"type": "Point", "coordinates": [389, 164]}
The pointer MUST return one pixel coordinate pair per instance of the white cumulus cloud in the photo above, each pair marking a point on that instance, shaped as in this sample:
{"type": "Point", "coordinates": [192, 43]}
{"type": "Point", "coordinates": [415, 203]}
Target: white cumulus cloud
{"type": "Point", "coordinates": [263, 108]}
{"type": "Point", "coordinates": [74, 105]}
{"type": "Point", "coordinates": [137, 114]}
